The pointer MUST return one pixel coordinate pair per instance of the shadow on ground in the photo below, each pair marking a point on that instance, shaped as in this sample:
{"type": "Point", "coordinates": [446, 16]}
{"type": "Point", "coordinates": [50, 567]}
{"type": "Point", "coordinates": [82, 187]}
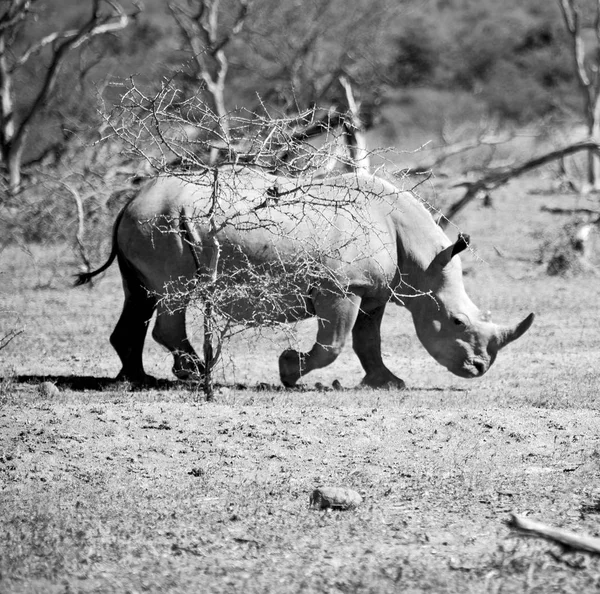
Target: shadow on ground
{"type": "Point", "coordinates": [89, 382]}
{"type": "Point", "coordinates": [81, 383]}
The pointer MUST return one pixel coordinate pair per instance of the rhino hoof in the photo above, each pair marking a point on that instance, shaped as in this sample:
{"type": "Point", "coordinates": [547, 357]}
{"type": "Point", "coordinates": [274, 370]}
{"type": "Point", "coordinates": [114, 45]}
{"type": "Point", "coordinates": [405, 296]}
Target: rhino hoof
{"type": "Point", "coordinates": [383, 383]}
{"type": "Point", "coordinates": [289, 367]}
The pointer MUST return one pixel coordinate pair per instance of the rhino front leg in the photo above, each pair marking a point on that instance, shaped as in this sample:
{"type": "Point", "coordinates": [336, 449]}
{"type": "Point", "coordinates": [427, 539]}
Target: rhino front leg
{"type": "Point", "coordinates": [366, 341]}
{"type": "Point", "coordinates": [336, 315]}
{"type": "Point", "coordinates": [170, 332]}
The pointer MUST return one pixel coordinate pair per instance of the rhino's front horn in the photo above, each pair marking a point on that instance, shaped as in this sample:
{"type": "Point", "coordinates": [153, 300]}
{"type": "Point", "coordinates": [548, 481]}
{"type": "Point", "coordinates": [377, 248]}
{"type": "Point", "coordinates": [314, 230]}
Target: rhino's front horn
{"type": "Point", "coordinates": [506, 334]}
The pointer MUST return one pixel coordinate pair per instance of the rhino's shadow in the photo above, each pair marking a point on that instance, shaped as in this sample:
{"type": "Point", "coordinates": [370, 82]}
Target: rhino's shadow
{"type": "Point", "coordinates": [82, 383]}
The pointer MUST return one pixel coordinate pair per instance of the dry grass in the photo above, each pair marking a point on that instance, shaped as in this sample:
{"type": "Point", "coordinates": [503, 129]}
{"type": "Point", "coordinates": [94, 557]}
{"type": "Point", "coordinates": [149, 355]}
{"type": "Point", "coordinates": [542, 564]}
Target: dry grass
{"type": "Point", "coordinates": [113, 490]}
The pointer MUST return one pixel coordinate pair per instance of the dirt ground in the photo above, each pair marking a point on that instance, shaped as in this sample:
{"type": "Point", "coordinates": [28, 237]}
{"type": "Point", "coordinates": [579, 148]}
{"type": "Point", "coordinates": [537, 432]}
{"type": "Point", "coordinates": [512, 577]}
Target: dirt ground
{"type": "Point", "coordinates": [108, 489]}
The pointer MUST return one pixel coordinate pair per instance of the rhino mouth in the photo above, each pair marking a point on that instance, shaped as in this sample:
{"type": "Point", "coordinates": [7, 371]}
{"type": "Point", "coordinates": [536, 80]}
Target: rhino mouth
{"type": "Point", "coordinates": [472, 368]}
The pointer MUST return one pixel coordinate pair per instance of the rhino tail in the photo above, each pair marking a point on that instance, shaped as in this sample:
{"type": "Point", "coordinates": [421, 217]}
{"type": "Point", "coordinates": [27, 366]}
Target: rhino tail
{"type": "Point", "coordinates": [85, 277]}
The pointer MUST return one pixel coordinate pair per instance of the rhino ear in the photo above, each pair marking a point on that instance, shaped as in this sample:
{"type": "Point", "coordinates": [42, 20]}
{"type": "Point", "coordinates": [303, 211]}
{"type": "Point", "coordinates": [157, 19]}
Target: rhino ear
{"type": "Point", "coordinates": [461, 244]}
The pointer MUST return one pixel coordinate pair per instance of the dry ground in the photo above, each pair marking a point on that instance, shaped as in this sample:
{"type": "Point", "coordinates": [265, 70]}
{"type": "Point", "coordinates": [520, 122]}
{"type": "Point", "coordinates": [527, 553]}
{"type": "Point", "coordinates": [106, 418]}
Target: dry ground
{"type": "Point", "coordinates": [105, 489]}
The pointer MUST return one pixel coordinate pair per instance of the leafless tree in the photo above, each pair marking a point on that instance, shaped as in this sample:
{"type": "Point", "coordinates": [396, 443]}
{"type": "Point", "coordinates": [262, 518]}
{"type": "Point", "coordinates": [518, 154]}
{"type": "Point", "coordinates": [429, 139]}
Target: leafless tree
{"type": "Point", "coordinates": [105, 16]}
{"type": "Point", "coordinates": [207, 38]}
{"type": "Point", "coordinates": [156, 128]}
{"type": "Point", "coordinates": [332, 54]}
{"type": "Point", "coordinates": [587, 68]}
{"type": "Point", "coordinates": [296, 57]}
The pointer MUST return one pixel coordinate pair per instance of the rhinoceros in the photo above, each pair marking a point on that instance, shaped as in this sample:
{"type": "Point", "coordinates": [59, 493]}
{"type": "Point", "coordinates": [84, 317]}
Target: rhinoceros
{"type": "Point", "coordinates": [355, 241]}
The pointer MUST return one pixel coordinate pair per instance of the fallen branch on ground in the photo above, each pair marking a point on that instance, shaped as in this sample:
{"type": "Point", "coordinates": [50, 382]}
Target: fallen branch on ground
{"type": "Point", "coordinates": [571, 211]}
{"type": "Point", "coordinates": [499, 177]}
{"type": "Point", "coordinates": [9, 337]}
{"type": "Point", "coordinates": [565, 537]}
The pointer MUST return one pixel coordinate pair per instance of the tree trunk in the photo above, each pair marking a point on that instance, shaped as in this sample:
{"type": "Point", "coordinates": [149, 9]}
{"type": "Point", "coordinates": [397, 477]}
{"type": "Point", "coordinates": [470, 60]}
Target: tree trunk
{"type": "Point", "coordinates": [593, 163]}
{"type": "Point", "coordinates": [354, 131]}
{"type": "Point", "coordinates": [14, 159]}
{"type": "Point", "coordinates": [11, 152]}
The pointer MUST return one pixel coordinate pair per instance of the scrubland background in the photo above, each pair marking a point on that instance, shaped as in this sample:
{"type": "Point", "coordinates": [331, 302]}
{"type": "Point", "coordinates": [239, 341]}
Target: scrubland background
{"type": "Point", "coordinates": [107, 488]}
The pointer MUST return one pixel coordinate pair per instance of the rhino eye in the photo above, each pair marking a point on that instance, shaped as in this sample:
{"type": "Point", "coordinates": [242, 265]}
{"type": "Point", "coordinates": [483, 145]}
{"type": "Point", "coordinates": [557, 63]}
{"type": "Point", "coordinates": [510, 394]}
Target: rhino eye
{"type": "Point", "coordinates": [458, 322]}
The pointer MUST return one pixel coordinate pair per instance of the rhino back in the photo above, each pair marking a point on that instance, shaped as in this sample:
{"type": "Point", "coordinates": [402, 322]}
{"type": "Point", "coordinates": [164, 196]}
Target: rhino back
{"type": "Point", "coordinates": [349, 225]}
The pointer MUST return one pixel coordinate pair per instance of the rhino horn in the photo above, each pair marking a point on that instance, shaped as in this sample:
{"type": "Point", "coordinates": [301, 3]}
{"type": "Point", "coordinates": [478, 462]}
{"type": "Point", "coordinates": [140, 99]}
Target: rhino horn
{"type": "Point", "coordinates": [506, 334]}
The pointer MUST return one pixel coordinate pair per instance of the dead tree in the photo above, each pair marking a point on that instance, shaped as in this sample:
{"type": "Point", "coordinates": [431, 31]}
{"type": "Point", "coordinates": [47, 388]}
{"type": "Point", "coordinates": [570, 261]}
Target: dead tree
{"type": "Point", "coordinates": [106, 16]}
{"type": "Point", "coordinates": [152, 127]}
{"type": "Point", "coordinates": [198, 20]}
{"type": "Point", "coordinates": [342, 124]}
{"type": "Point", "coordinates": [284, 47]}
{"type": "Point", "coordinates": [587, 68]}
{"type": "Point", "coordinates": [354, 130]}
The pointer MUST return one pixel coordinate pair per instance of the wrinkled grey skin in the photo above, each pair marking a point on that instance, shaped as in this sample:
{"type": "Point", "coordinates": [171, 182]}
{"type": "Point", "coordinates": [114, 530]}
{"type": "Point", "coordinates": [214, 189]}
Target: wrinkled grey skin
{"type": "Point", "coordinates": [378, 245]}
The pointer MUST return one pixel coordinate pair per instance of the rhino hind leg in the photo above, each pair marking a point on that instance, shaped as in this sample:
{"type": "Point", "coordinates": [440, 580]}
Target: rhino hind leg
{"type": "Point", "coordinates": [130, 332]}
{"type": "Point", "coordinates": [336, 315]}
{"type": "Point", "coordinates": [170, 332]}
{"type": "Point", "coordinates": [366, 341]}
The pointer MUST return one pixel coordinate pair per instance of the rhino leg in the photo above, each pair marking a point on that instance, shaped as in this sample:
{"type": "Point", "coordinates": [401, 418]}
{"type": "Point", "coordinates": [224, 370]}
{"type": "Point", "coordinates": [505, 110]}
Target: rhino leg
{"type": "Point", "coordinates": [336, 317]}
{"type": "Point", "coordinates": [170, 332]}
{"type": "Point", "coordinates": [366, 341]}
{"type": "Point", "coordinates": [130, 332]}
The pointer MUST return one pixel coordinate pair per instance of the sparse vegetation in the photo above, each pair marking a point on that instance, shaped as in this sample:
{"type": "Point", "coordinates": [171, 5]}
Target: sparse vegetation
{"type": "Point", "coordinates": [105, 488]}
{"type": "Point", "coordinates": [108, 488]}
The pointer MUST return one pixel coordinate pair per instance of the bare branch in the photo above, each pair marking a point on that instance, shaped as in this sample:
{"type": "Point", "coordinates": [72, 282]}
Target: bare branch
{"type": "Point", "coordinates": [456, 149]}
{"type": "Point", "coordinates": [16, 13]}
{"type": "Point", "coordinates": [79, 235]}
{"type": "Point", "coordinates": [570, 15]}
{"type": "Point", "coordinates": [201, 31]}
{"type": "Point", "coordinates": [572, 211]}
{"type": "Point", "coordinates": [9, 337]}
{"type": "Point", "coordinates": [494, 179]}
{"type": "Point", "coordinates": [354, 130]}
{"type": "Point", "coordinates": [237, 26]}
{"type": "Point", "coordinates": [565, 537]}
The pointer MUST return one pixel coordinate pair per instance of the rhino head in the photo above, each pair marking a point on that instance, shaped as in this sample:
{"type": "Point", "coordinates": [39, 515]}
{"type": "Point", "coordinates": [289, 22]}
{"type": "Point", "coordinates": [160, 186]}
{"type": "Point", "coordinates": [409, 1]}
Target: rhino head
{"type": "Point", "coordinates": [450, 326]}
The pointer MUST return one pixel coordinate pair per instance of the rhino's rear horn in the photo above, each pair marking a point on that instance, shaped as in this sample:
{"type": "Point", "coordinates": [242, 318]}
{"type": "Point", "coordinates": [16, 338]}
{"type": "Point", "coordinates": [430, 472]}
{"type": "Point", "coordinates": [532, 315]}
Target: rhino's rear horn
{"type": "Point", "coordinates": [462, 243]}
{"type": "Point", "coordinates": [507, 334]}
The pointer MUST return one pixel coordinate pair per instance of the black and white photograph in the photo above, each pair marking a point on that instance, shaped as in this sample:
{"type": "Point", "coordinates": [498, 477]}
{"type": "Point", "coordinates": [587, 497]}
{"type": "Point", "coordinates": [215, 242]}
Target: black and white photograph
{"type": "Point", "coordinates": [299, 296]}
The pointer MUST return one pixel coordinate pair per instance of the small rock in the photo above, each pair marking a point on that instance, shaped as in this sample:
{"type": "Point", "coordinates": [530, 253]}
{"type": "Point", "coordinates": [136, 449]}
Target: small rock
{"type": "Point", "coordinates": [336, 385]}
{"type": "Point", "coordinates": [48, 389]}
{"type": "Point", "coordinates": [334, 498]}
